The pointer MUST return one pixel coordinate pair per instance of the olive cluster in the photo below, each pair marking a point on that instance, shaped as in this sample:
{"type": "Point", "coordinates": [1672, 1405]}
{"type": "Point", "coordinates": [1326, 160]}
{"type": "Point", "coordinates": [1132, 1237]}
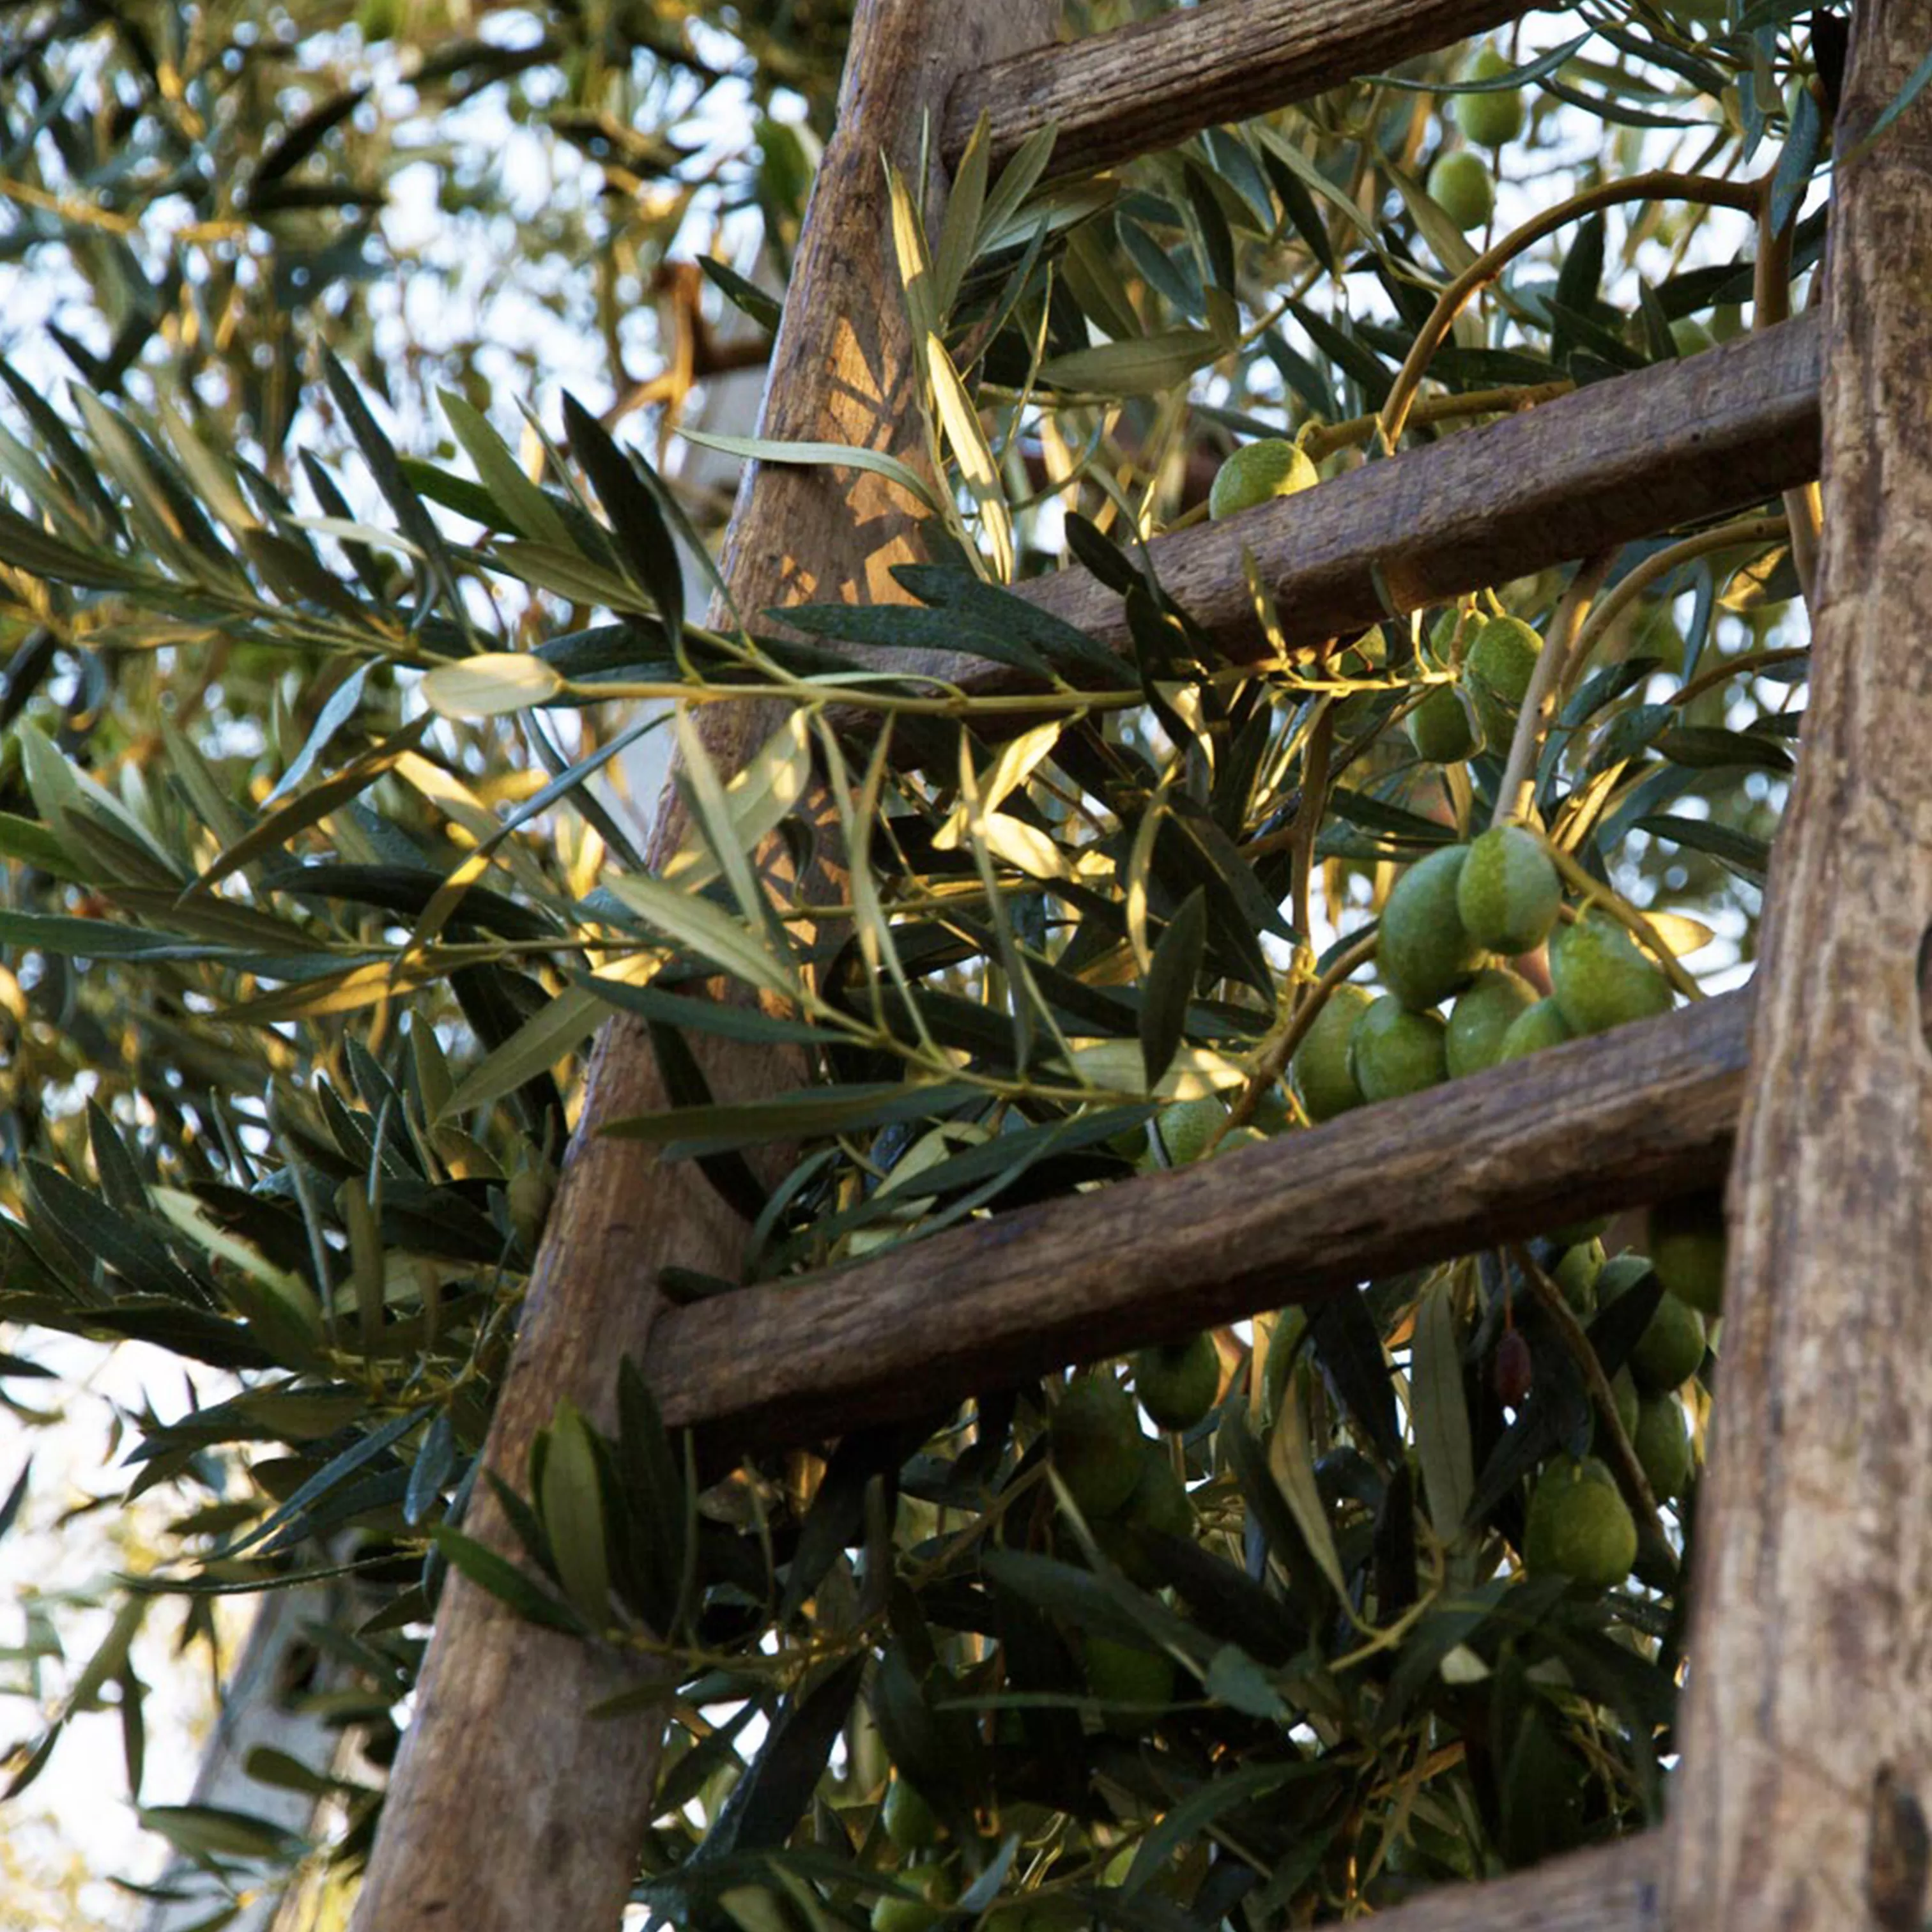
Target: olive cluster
{"type": "Point", "coordinates": [1578, 1523]}
{"type": "Point", "coordinates": [1122, 1481]}
{"type": "Point", "coordinates": [1450, 919]}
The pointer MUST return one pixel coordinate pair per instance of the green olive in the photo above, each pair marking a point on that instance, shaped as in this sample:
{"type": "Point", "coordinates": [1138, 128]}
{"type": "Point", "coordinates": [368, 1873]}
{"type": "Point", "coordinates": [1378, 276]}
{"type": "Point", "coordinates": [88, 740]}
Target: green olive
{"type": "Point", "coordinates": [1689, 337]}
{"type": "Point", "coordinates": [1439, 726]}
{"type": "Point", "coordinates": [1398, 1051]}
{"type": "Point", "coordinates": [1662, 1440]}
{"type": "Point", "coordinates": [936, 1889]}
{"type": "Point", "coordinates": [1602, 980]}
{"type": "Point", "coordinates": [1096, 1435]}
{"type": "Point", "coordinates": [1501, 661]}
{"type": "Point", "coordinates": [1322, 1076]}
{"type": "Point", "coordinates": [1422, 952]}
{"type": "Point", "coordinates": [1177, 1385]}
{"type": "Point", "coordinates": [1461, 184]}
{"type": "Point", "coordinates": [1687, 1249]}
{"type": "Point", "coordinates": [1185, 1128]}
{"type": "Point", "coordinates": [909, 1820]}
{"type": "Point", "coordinates": [1508, 893]}
{"type": "Point", "coordinates": [1671, 1347]}
{"type": "Point", "coordinates": [1491, 120]}
{"type": "Point", "coordinates": [1123, 1674]}
{"type": "Point", "coordinates": [1579, 1525]}
{"type": "Point", "coordinates": [1482, 1017]}
{"type": "Point", "coordinates": [1534, 1028]}
{"type": "Point", "coordinates": [1159, 1507]}
{"type": "Point", "coordinates": [1575, 1274]}
{"type": "Point", "coordinates": [1259, 472]}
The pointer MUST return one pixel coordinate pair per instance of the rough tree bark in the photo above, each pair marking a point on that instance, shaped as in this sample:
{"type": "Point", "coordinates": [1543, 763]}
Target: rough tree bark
{"type": "Point", "coordinates": [1808, 1755]}
{"type": "Point", "coordinates": [510, 1807]}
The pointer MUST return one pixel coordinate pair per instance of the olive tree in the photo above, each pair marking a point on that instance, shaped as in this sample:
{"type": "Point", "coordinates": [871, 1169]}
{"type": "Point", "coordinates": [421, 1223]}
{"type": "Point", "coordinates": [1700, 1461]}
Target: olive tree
{"type": "Point", "coordinates": [342, 550]}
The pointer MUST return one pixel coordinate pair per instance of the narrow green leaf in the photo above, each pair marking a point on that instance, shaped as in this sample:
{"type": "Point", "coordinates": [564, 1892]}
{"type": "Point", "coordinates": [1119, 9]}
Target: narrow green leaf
{"type": "Point", "coordinates": [1706, 747]}
{"type": "Point", "coordinates": [1140, 368]}
{"type": "Point", "coordinates": [1439, 1415]}
{"type": "Point", "coordinates": [974, 455]}
{"type": "Point", "coordinates": [915, 265]}
{"type": "Point", "coordinates": [570, 1502]}
{"type": "Point", "coordinates": [689, 1015]}
{"type": "Point", "coordinates": [327, 795]}
{"type": "Point", "coordinates": [959, 230]}
{"type": "Point", "coordinates": [529, 511]}
{"type": "Point", "coordinates": [503, 1580]}
{"type": "Point", "coordinates": [1748, 856]}
{"type": "Point", "coordinates": [377, 451]}
{"type": "Point", "coordinates": [803, 1115]}
{"type": "Point", "coordinates": [1168, 989]}
{"type": "Point", "coordinates": [490, 686]}
{"type": "Point", "coordinates": [1793, 176]}
{"type": "Point", "coordinates": [747, 297]}
{"type": "Point", "coordinates": [704, 790]}
{"type": "Point", "coordinates": [1915, 84]}
{"type": "Point", "coordinates": [550, 1034]}
{"type": "Point", "coordinates": [211, 1831]}
{"type": "Point", "coordinates": [565, 574]}
{"type": "Point", "coordinates": [643, 539]}
{"type": "Point", "coordinates": [1018, 179]}
{"type": "Point", "coordinates": [813, 455]}
{"type": "Point", "coordinates": [1210, 1801]}
{"type": "Point", "coordinates": [1292, 1466]}
{"type": "Point", "coordinates": [707, 929]}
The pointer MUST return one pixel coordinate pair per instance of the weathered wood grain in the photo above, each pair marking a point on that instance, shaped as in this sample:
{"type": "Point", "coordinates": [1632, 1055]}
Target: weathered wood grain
{"type": "Point", "coordinates": [1641, 1114]}
{"type": "Point", "coordinates": [1807, 1781]}
{"type": "Point", "coordinates": [1615, 1888]}
{"type": "Point", "coordinates": [1150, 85]}
{"type": "Point", "coordinates": [510, 1807]}
{"type": "Point", "coordinates": [1622, 459]}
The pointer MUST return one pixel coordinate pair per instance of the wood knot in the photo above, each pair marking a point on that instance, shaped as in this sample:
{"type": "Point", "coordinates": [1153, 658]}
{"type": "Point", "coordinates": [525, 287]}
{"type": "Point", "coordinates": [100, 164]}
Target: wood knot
{"type": "Point", "coordinates": [1898, 1858]}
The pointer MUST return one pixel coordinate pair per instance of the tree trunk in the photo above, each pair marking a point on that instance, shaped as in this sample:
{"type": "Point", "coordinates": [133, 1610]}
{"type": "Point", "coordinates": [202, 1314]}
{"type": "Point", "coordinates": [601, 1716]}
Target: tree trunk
{"type": "Point", "coordinates": [511, 1808]}
{"type": "Point", "coordinates": [1807, 1747]}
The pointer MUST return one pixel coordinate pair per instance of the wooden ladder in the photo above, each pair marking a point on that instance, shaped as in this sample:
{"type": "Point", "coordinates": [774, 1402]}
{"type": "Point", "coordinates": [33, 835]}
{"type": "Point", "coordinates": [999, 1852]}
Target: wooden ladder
{"type": "Point", "coordinates": [1806, 1772]}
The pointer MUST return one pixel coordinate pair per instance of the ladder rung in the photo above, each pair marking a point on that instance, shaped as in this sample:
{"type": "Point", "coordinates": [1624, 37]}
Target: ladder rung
{"type": "Point", "coordinates": [1614, 1888]}
{"type": "Point", "coordinates": [1620, 459]}
{"type": "Point", "coordinates": [1601, 1124]}
{"type": "Point", "coordinates": [1147, 85]}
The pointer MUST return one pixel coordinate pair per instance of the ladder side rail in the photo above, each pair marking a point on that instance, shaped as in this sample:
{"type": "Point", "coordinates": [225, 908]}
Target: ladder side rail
{"type": "Point", "coordinates": [1678, 442]}
{"type": "Point", "coordinates": [512, 1806]}
{"type": "Point", "coordinates": [1807, 1783]}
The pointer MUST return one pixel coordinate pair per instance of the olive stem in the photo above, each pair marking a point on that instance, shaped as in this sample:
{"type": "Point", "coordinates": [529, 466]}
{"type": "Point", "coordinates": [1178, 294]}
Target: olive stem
{"type": "Point", "coordinates": [1273, 1055]}
{"type": "Point", "coordinates": [1516, 793]}
{"type": "Point", "coordinates": [1324, 440]}
{"type": "Point", "coordinates": [1652, 1541]}
{"type": "Point", "coordinates": [1632, 585]}
{"type": "Point", "coordinates": [1657, 184]}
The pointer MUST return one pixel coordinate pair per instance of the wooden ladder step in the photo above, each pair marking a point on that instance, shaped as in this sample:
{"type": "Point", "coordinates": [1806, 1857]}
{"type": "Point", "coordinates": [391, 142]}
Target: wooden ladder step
{"type": "Point", "coordinates": [1640, 1115]}
{"type": "Point", "coordinates": [1677, 442]}
{"type": "Point", "coordinates": [1148, 86]}
{"type": "Point", "coordinates": [1619, 1887]}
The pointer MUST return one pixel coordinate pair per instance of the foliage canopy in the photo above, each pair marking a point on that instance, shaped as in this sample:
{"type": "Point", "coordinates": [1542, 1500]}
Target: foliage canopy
{"type": "Point", "coordinates": [320, 876]}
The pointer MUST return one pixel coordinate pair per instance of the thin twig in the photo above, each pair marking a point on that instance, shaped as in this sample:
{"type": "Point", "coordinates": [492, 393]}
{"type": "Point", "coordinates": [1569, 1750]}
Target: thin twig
{"type": "Point", "coordinates": [1515, 793]}
{"type": "Point", "coordinates": [1658, 184]}
{"type": "Point", "coordinates": [1651, 1542]}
